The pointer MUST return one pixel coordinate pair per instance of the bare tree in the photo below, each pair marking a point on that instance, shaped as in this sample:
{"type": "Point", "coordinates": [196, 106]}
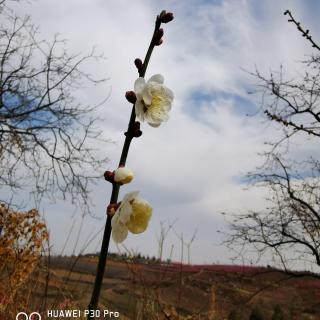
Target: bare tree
{"type": "Point", "coordinates": [46, 136]}
{"type": "Point", "coordinates": [164, 231]}
{"type": "Point", "coordinates": [288, 230]}
{"type": "Point", "coordinates": [188, 245]}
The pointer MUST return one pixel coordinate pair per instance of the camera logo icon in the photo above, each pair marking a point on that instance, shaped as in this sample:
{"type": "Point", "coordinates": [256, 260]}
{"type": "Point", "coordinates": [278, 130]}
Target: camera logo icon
{"type": "Point", "coordinates": [31, 316]}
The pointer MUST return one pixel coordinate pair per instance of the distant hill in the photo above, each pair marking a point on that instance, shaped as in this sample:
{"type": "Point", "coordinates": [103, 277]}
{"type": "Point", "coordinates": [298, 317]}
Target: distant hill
{"type": "Point", "coordinates": [216, 292]}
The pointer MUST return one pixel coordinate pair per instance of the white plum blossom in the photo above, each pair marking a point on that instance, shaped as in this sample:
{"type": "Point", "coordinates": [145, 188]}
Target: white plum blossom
{"type": "Point", "coordinates": [123, 175]}
{"type": "Point", "coordinates": [132, 215]}
{"type": "Point", "coordinates": [153, 100]}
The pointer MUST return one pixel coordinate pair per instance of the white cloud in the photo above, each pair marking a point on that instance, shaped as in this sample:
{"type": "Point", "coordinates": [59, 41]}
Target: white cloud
{"type": "Point", "coordinates": [191, 160]}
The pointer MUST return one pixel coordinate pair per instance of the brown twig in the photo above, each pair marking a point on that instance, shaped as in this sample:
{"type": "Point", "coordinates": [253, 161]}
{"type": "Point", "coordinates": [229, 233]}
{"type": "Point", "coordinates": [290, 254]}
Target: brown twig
{"type": "Point", "coordinates": [305, 33]}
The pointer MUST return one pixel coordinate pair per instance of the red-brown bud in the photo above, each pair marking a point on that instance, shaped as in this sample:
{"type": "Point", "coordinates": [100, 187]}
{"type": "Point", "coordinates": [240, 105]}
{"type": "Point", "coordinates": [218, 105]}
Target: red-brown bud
{"type": "Point", "coordinates": [138, 63]}
{"type": "Point", "coordinates": [159, 42]}
{"type": "Point", "coordinates": [136, 125]}
{"type": "Point", "coordinates": [166, 17]}
{"type": "Point", "coordinates": [158, 34]}
{"type": "Point", "coordinates": [112, 208]}
{"type": "Point", "coordinates": [109, 176]}
{"type": "Point", "coordinates": [131, 97]}
{"type": "Point", "coordinates": [136, 132]}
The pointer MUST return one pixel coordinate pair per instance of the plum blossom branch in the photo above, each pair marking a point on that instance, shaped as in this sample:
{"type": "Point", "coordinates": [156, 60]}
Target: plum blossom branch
{"type": "Point", "coordinates": [132, 131]}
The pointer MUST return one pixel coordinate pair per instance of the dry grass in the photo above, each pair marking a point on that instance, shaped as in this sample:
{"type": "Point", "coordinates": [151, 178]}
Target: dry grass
{"type": "Point", "coordinates": [138, 289]}
{"type": "Point", "coordinates": [22, 238]}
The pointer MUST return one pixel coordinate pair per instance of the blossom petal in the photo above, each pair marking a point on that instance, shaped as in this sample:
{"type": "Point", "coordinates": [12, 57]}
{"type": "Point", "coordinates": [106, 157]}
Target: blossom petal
{"type": "Point", "coordinates": [123, 175]}
{"type": "Point", "coordinates": [168, 93]}
{"type": "Point", "coordinates": [130, 196]}
{"type": "Point", "coordinates": [139, 110]}
{"type": "Point", "coordinates": [139, 85]}
{"type": "Point", "coordinates": [158, 112]}
{"type": "Point", "coordinates": [147, 96]}
{"type": "Point", "coordinates": [155, 125]}
{"type": "Point", "coordinates": [119, 232]}
{"type": "Point", "coordinates": [157, 78]}
{"type": "Point", "coordinates": [141, 214]}
{"type": "Point", "coordinates": [124, 211]}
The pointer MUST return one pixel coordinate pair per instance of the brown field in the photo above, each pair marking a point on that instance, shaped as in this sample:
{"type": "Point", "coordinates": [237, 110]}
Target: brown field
{"type": "Point", "coordinates": [173, 291]}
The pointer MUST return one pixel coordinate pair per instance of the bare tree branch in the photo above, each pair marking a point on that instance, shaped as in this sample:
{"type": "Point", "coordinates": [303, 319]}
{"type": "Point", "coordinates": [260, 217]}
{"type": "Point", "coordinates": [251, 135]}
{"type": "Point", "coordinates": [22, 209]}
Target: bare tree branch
{"type": "Point", "coordinates": [46, 136]}
{"type": "Point", "coordinates": [288, 230]}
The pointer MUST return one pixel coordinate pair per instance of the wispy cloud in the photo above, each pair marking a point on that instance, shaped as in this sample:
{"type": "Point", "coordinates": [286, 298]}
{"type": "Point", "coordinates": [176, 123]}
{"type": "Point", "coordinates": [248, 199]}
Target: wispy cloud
{"type": "Point", "coordinates": [188, 167]}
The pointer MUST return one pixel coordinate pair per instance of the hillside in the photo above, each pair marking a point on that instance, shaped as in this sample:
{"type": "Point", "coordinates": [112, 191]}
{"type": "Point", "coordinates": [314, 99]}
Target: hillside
{"type": "Point", "coordinates": [159, 291]}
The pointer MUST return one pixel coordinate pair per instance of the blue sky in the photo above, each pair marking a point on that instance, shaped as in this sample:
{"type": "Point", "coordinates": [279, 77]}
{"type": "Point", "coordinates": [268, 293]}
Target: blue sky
{"type": "Point", "coordinates": [189, 168]}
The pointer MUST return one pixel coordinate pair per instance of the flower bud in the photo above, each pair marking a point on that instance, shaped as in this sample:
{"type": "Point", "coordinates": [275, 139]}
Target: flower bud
{"type": "Point", "coordinates": [159, 42]}
{"type": "Point", "coordinates": [136, 132]}
{"type": "Point", "coordinates": [158, 35]}
{"type": "Point", "coordinates": [123, 175]}
{"type": "Point", "coordinates": [131, 97]}
{"type": "Point", "coordinates": [136, 126]}
{"type": "Point", "coordinates": [138, 63]}
{"type": "Point", "coordinates": [109, 176]}
{"type": "Point", "coordinates": [166, 17]}
{"type": "Point", "coordinates": [112, 208]}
